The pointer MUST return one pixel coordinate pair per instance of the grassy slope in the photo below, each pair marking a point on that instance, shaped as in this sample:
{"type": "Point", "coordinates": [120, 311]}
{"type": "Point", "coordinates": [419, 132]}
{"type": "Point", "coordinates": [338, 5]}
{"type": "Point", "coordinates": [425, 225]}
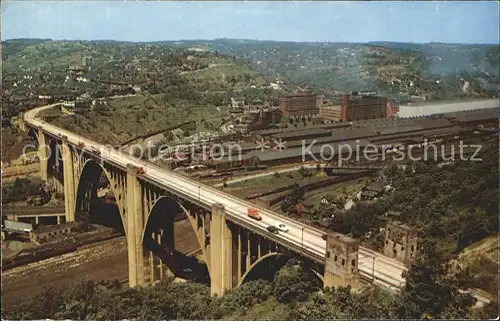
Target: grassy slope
{"type": "Point", "coordinates": [127, 117]}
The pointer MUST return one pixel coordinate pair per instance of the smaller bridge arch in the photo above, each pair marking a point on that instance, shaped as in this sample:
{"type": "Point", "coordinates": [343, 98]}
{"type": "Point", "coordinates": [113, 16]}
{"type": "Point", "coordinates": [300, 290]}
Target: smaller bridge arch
{"type": "Point", "coordinates": [88, 185]}
{"type": "Point", "coordinates": [274, 255]}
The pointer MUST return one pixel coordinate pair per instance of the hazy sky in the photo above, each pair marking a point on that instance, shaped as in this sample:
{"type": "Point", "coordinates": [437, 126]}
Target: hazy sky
{"type": "Point", "coordinates": [452, 22]}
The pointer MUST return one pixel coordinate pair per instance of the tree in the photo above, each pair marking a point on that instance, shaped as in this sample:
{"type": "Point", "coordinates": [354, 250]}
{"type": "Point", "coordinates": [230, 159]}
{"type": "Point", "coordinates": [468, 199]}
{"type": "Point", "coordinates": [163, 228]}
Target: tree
{"type": "Point", "coordinates": [291, 284]}
{"type": "Point", "coordinates": [304, 172]}
{"type": "Point", "coordinates": [429, 292]}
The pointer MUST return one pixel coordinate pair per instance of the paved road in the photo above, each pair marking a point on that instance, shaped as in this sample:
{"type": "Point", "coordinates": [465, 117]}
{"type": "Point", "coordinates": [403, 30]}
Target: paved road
{"type": "Point", "coordinates": [308, 239]}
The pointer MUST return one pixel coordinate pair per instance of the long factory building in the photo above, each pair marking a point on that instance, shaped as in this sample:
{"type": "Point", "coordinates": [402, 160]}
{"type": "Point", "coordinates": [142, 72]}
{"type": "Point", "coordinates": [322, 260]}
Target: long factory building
{"type": "Point", "coordinates": [379, 132]}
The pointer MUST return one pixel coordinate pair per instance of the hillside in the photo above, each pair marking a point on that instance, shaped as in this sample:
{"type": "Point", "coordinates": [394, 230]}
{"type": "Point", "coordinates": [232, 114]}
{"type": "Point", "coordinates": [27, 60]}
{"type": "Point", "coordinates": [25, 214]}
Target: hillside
{"type": "Point", "coordinates": [438, 71]}
{"type": "Point", "coordinates": [175, 84]}
{"type": "Point", "coordinates": [47, 63]}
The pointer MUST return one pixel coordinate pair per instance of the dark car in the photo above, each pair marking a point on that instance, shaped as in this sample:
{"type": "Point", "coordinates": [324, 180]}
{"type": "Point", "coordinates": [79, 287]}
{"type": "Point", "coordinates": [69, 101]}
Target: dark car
{"type": "Point", "coordinates": [324, 236]}
{"type": "Point", "coordinates": [273, 229]}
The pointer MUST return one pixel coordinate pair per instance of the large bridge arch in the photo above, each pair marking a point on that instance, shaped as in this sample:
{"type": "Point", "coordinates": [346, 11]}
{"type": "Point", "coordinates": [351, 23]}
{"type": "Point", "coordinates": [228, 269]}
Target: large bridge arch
{"type": "Point", "coordinates": [281, 259]}
{"type": "Point", "coordinates": [87, 188]}
{"type": "Point", "coordinates": [158, 240]}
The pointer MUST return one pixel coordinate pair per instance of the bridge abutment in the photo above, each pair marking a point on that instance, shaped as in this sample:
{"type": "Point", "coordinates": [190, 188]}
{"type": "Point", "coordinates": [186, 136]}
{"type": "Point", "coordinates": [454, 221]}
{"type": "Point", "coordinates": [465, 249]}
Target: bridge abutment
{"type": "Point", "coordinates": [341, 268]}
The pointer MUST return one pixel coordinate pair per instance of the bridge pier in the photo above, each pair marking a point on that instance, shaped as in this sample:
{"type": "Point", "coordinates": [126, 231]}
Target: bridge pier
{"type": "Point", "coordinates": [20, 121]}
{"type": "Point", "coordinates": [224, 252]}
{"type": "Point", "coordinates": [43, 155]}
{"type": "Point", "coordinates": [69, 184]}
{"type": "Point", "coordinates": [134, 226]}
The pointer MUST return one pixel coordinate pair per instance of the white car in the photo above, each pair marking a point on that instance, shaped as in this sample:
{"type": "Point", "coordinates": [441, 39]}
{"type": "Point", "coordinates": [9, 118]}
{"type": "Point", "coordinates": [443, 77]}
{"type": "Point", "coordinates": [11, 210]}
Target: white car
{"type": "Point", "coordinates": [283, 228]}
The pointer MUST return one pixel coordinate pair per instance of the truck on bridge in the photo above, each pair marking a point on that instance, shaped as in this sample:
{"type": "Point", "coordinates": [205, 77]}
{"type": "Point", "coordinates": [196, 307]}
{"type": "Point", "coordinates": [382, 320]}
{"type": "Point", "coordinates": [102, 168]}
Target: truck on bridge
{"type": "Point", "coordinates": [254, 213]}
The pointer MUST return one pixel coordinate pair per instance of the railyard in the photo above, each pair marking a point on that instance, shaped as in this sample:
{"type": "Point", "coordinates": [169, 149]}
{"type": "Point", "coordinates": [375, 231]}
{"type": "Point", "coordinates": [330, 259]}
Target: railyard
{"type": "Point", "coordinates": [101, 261]}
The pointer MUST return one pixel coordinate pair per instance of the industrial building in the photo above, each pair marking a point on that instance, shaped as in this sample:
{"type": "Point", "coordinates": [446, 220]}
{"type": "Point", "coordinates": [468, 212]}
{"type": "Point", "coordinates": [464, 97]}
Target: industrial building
{"type": "Point", "coordinates": [441, 108]}
{"type": "Point", "coordinates": [46, 233]}
{"type": "Point", "coordinates": [355, 106]}
{"type": "Point", "coordinates": [358, 107]}
{"type": "Point", "coordinates": [258, 118]}
{"type": "Point", "coordinates": [299, 105]}
{"type": "Point", "coordinates": [381, 132]}
{"type": "Point", "coordinates": [331, 112]}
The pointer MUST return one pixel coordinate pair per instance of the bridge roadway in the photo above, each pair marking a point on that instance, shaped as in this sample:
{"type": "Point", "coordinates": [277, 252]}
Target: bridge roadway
{"type": "Point", "coordinates": [386, 271]}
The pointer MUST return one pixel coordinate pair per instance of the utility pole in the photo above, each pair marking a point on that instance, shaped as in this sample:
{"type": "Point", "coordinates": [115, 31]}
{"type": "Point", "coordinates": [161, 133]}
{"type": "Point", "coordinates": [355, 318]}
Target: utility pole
{"type": "Point", "coordinates": [302, 237]}
{"type": "Point", "coordinates": [373, 269]}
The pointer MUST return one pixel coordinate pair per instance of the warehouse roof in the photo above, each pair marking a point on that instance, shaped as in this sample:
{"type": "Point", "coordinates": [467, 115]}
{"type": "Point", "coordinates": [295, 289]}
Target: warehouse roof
{"type": "Point", "coordinates": [302, 133]}
{"type": "Point", "coordinates": [352, 133]}
{"type": "Point", "coordinates": [474, 115]}
{"type": "Point", "coordinates": [233, 158]}
{"type": "Point", "coordinates": [400, 129]}
{"type": "Point", "coordinates": [435, 123]}
{"type": "Point", "coordinates": [51, 228]}
{"type": "Point", "coordinates": [267, 132]}
{"type": "Point", "coordinates": [317, 149]}
{"type": "Point", "coordinates": [322, 140]}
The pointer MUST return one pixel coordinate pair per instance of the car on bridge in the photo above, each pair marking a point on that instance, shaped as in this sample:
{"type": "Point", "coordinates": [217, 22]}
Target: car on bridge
{"type": "Point", "coordinates": [283, 228]}
{"type": "Point", "coordinates": [273, 229]}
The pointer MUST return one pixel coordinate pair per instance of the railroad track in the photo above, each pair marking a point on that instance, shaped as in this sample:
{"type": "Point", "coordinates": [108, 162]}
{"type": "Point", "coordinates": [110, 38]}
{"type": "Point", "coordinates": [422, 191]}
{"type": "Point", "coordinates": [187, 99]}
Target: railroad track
{"type": "Point", "coordinates": [41, 255]}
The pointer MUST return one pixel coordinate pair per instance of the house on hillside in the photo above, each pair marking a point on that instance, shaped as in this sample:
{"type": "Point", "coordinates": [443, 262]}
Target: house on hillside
{"type": "Point", "coordinates": [237, 102]}
{"type": "Point", "coordinates": [372, 191]}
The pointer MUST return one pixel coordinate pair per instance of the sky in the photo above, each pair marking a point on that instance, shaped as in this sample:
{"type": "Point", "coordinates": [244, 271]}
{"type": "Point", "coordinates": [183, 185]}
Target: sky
{"type": "Point", "coordinates": [407, 21]}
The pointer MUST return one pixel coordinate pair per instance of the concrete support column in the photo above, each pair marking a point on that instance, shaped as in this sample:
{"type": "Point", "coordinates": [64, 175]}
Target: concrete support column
{"type": "Point", "coordinates": [37, 220]}
{"type": "Point", "coordinates": [160, 262]}
{"type": "Point", "coordinates": [43, 155]}
{"type": "Point", "coordinates": [239, 252]}
{"type": "Point", "coordinates": [135, 226]}
{"type": "Point", "coordinates": [249, 252]}
{"type": "Point", "coordinates": [58, 220]}
{"type": "Point", "coordinates": [222, 247]}
{"type": "Point", "coordinates": [20, 121]}
{"type": "Point", "coordinates": [69, 184]}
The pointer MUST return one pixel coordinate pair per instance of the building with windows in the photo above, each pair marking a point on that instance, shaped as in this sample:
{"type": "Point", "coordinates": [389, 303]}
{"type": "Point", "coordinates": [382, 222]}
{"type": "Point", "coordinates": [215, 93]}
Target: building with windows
{"type": "Point", "coordinates": [50, 232]}
{"type": "Point", "coordinates": [331, 112]}
{"type": "Point", "coordinates": [237, 102]}
{"type": "Point", "coordinates": [359, 106]}
{"type": "Point", "coordinates": [299, 105]}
